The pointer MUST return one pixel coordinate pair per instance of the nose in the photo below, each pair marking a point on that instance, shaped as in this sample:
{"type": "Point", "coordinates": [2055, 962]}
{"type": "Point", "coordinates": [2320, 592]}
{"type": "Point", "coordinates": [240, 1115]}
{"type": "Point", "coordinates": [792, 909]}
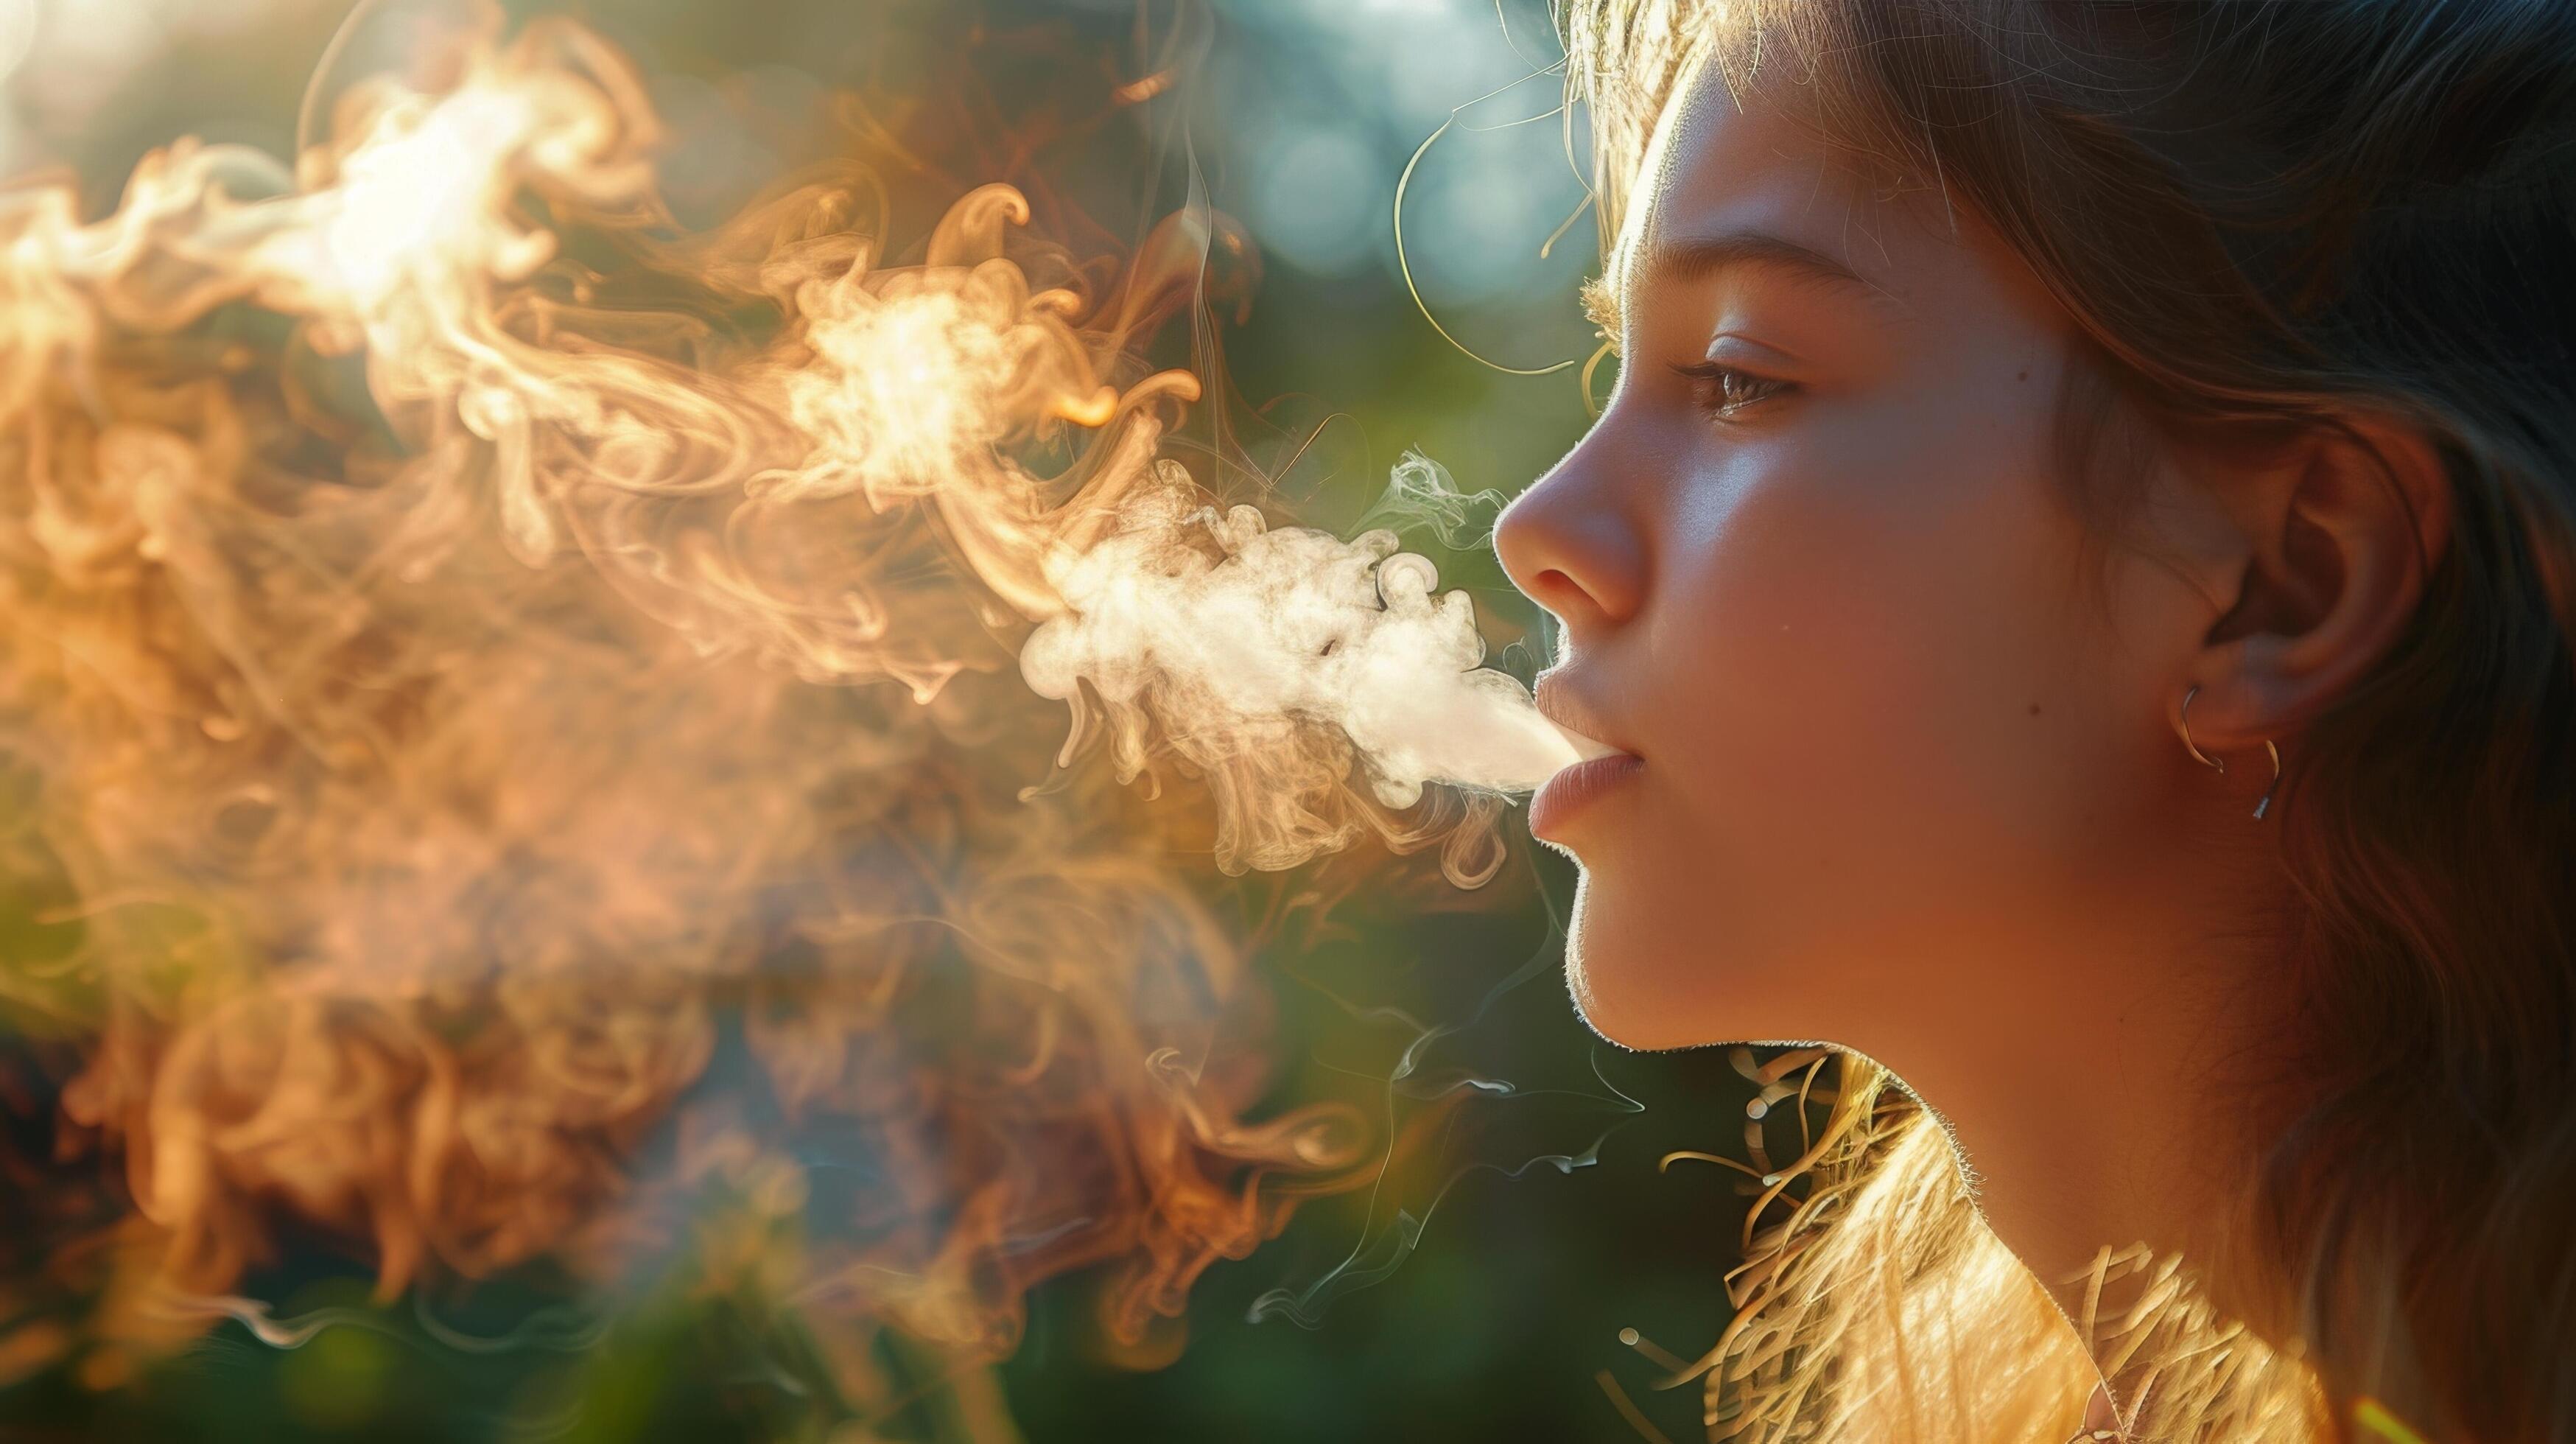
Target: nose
{"type": "Point", "coordinates": [1571, 547]}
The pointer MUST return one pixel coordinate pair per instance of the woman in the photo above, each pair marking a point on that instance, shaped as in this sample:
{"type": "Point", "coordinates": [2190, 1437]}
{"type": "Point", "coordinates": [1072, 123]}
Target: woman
{"type": "Point", "coordinates": [2082, 559]}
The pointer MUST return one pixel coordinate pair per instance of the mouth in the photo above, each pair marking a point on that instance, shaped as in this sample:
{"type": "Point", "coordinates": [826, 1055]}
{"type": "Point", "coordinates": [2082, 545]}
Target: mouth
{"type": "Point", "coordinates": [1579, 788]}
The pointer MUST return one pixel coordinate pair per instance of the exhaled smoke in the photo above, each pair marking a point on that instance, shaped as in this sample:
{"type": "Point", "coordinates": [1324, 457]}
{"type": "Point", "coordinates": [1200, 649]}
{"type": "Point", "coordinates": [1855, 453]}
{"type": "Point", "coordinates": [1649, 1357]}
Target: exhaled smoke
{"type": "Point", "coordinates": [1283, 664]}
{"type": "Point", "coordinates": [472, 648]}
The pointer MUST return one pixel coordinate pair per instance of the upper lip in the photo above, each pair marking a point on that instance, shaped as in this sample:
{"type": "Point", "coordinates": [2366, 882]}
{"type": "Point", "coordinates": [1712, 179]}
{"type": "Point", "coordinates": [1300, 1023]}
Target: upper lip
{"type": "Point", "coordinates": [1560, 702]}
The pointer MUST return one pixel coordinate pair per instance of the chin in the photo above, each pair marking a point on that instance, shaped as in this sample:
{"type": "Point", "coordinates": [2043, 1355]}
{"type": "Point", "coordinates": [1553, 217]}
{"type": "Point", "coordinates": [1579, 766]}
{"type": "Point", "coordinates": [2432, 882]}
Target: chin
{"type": "Point", "coordinates": [1622, 990]}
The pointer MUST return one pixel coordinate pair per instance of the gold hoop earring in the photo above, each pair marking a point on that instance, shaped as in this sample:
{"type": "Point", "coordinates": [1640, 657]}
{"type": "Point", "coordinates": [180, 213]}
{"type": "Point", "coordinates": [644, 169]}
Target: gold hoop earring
{"type": "Point", "coordinates": [2203, 758]}
{"type": "Point", "coordinates": [2265, 804]}
{"type": "Point", "coordinates": [2219, 765]}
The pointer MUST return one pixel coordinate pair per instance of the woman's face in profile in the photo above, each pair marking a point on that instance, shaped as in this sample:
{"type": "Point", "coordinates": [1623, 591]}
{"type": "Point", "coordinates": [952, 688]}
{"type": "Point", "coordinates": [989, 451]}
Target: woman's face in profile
{"type": "Point", "coordinates": [1902, 718]}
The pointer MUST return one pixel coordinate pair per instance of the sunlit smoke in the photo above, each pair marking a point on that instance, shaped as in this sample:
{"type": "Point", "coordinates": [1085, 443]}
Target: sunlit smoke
{"type": "Point", "coordinates": [1280, 662]}
{"type": "Point", "coordinates": [476, 649]}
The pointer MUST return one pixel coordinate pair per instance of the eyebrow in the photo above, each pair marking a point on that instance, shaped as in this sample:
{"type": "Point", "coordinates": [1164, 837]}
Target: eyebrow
{"type": "Point", "coordinates": [1698, 258]}
{"type": "Point", "coordinates": [1704, 256]}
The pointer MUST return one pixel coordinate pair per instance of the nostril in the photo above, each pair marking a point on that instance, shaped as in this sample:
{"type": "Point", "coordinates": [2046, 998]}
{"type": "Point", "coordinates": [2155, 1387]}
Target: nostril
{"type": "Point", "coordinates": [1556, 591]}
{"type": "Point", "coordinates": [1564, 602]}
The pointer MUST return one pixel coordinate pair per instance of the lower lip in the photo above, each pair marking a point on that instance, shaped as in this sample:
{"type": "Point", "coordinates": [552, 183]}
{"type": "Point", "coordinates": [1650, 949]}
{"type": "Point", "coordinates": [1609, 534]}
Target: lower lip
{"type": "Point", "coordinates": [1576, 790]}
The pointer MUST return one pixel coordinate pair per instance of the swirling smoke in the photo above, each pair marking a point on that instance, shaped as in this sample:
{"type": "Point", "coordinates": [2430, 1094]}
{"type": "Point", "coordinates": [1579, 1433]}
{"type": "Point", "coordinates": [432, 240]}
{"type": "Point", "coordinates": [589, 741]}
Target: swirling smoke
{"type": "Point", "coordinates": [478, 653]}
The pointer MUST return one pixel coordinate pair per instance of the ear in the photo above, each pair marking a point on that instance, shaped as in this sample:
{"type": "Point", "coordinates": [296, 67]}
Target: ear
{"type": "Point", "coordinates": [2338, 534]}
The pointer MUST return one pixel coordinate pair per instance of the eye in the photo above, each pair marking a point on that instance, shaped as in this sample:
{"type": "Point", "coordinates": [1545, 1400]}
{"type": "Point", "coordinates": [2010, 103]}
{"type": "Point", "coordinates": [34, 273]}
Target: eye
{"type": "Point", "coordinates": [1725, 392]}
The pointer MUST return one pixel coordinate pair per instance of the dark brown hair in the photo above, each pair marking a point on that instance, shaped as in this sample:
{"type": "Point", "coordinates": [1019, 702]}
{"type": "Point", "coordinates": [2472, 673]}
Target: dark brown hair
{"type": "Point", "coordinates": [2288, 213]}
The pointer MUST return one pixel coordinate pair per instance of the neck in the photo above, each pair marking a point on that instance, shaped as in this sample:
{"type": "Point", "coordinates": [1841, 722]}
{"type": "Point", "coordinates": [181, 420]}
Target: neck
{"type": "Point", "coordinates": [2133, 1118]}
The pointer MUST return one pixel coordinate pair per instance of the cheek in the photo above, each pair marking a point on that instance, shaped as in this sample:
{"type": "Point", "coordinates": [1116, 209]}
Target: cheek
{"type": "Point", "coordinates": [1874, 716]}
{"type": "Point", "coordinates": [1865, 642]}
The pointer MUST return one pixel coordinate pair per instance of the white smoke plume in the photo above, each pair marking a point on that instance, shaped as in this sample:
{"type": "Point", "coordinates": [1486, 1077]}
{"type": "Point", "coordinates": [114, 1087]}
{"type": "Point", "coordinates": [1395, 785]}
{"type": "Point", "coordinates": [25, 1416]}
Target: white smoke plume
{"type": "Point", "coordinates": [1254, 651]}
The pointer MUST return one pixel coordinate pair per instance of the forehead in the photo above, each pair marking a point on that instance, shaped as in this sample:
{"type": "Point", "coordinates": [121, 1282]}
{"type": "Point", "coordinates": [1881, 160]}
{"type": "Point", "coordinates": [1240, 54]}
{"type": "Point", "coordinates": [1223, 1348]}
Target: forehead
{"type": "Point", "coordinates": [1755, 162]}
{"type": "Point", "coordinates": [1728, 163]}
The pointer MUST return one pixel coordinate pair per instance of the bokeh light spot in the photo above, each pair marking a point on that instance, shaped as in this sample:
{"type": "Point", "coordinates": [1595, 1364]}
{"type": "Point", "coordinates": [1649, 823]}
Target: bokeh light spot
{"type": "Point", "coordinates": [1323, 200]}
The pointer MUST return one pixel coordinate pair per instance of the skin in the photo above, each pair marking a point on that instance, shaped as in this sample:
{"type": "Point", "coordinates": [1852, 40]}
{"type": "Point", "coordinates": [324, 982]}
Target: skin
{"type": "Point", "coordinates": [1912, 779]}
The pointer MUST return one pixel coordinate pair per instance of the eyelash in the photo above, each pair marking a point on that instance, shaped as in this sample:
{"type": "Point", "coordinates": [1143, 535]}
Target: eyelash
{"type": "Point", "coordinates": [1713, 384]}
